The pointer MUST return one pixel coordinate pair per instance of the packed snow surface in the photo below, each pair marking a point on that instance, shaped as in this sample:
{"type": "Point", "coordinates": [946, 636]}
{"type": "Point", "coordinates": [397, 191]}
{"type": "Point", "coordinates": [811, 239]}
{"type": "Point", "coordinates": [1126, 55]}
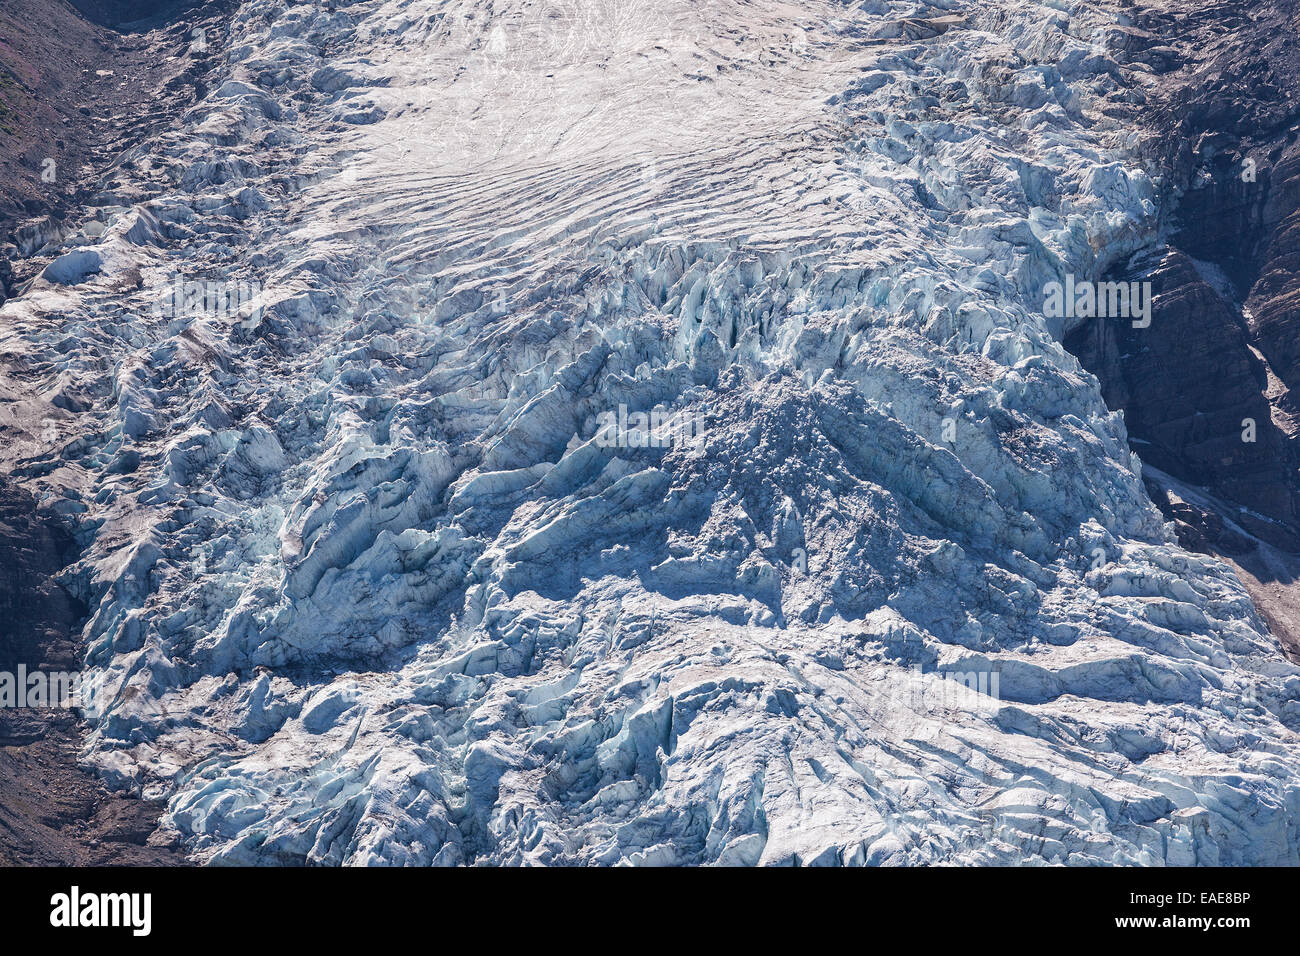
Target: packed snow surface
{"type": "Point", "coordinates": [603, 431]}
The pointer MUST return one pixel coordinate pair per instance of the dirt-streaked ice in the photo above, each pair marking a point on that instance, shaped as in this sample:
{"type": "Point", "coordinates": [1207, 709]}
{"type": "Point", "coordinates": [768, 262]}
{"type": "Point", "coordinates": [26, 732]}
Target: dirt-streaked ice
{"type": "Point", "coordinates": [370, 584]}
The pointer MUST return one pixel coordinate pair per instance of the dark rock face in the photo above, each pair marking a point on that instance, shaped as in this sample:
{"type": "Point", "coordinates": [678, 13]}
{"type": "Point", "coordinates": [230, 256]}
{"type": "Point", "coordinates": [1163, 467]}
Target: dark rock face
{"type": "Point", "coordinates": [1240, 115]}
{"type": "Point", "coordinates": [1229, 140]}
{"type": "Point", "coordinates": [38, 618]}
{"type": "Point", "coordinates": [117, 12]}
{"type": "Point", "coordinates": [1194, 394]}
{"type": "Point", "coordinates": [1274, 300]}
{"type": "Point", "coordinates": [52, 812]}
{"type": "Point", "coordinates": [1199, 529]}
{"type": "Point", "coordinates": [1220, 363]}
{"type": "Point", "coordinates": [74, 93]}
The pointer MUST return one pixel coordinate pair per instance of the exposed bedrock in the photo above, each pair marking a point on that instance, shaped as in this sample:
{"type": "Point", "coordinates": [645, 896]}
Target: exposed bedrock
{"type": "Point", "coordinates": [1208, 390]}
{"type": "Point", "coordinates": [75, 90]}
{"type": "Point", "coordinates": [135, 14]}
{"type": "Point", "coordinates": [52, 810]}
{"type": "Point", "coordinates": [78, 85]}
{"type": "Point", "coordinates": [1186, 385]}
{"type": "Point", "coordinates": [39, 619]}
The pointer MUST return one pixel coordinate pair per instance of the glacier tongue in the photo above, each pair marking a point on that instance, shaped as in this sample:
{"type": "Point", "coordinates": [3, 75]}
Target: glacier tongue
{"type": "Point", "coordinates": [599, 432]}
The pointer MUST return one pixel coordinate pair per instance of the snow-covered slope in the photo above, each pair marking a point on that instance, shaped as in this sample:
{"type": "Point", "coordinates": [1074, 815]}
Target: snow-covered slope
{"type": "Point", "coordinates": [381, 570]}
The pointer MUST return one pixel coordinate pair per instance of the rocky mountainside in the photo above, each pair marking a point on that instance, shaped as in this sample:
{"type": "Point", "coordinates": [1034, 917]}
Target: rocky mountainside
{"type": "Point", "coordinates": [1208, 391]}
{"type": "Point", "coordinates": [72, 93]}
{"type": "Point", "coordinates": [79, 84]}
{"type": "Point", "coordinates": [637, 433]}
{"type": "Point", "coordinates": [52, 811]}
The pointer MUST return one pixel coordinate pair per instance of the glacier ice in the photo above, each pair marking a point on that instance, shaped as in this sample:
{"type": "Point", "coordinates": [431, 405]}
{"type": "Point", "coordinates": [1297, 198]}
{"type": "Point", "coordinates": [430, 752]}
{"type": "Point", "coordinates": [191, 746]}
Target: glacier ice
{"type": "Point", "coordinates": [370, 587]}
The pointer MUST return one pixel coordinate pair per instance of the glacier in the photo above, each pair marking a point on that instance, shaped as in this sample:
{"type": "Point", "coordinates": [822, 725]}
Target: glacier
{"type": "Point", "coordinates": [371, 583]}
